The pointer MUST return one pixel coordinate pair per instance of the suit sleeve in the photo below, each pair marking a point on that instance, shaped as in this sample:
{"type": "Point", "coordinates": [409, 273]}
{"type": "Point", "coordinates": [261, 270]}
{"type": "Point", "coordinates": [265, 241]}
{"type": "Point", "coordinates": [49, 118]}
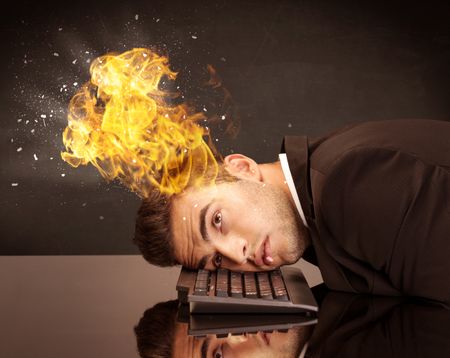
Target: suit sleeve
{"type": "Point", "coordinates": [391, 210]}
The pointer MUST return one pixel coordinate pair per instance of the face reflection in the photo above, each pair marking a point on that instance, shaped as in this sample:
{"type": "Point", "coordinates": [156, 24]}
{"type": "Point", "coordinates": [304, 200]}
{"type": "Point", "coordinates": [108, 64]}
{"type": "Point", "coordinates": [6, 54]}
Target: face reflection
{"type": "Point", "coordinates": [244, 225]}
{"type": "Point", "coordinates": [259, 345]}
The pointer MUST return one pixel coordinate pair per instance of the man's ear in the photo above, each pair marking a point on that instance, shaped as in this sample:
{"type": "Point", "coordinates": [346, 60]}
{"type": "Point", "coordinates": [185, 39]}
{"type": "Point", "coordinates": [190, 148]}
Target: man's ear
{"type": "Point", "coordinates": [242, 167]}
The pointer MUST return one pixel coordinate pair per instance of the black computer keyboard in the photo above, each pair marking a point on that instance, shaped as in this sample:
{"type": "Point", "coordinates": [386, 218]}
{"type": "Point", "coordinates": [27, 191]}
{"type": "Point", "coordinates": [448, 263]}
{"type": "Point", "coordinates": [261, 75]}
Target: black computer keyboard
{"type": "Point", "coordinates": [221, 325]}
{"type": "Point", "coordinates": [223, 291]}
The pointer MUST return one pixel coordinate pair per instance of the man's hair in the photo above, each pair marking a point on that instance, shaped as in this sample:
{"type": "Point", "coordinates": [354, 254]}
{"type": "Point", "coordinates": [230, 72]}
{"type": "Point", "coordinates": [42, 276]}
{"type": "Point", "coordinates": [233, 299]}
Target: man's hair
{"type": "Point", "coordinates": [155, 330]}
{"type": "Point", "coordinates": [152, 232]}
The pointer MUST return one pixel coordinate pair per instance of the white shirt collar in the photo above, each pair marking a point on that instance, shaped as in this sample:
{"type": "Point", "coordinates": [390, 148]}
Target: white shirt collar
{"type": "Point", "coordinates": [291, 185]}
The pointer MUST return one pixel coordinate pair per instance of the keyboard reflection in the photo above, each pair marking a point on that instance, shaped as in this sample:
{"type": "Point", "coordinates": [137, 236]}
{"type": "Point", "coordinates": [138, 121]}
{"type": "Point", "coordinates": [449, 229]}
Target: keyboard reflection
{"type": "Point", "coordinates": [348, 326]}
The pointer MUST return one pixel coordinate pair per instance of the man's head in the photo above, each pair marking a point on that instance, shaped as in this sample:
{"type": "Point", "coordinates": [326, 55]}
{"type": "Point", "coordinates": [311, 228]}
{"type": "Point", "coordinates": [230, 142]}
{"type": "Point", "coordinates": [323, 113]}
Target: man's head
{"type": "Point", "coordinates": [159, 335]}
{"type": "Point", "coordinates": [246, 221]}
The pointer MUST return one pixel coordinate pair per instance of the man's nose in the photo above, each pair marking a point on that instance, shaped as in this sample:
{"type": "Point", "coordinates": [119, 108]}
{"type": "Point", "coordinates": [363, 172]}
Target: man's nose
{"type": "Point", "coordinates": [234, 248]}
{"type": "Point", "coordinates": [234, 340]}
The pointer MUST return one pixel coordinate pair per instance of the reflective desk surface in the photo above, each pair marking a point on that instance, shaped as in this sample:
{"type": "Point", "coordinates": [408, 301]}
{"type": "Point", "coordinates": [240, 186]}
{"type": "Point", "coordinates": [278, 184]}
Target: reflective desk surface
{"type": "Point", "coordinates": [89, 306]}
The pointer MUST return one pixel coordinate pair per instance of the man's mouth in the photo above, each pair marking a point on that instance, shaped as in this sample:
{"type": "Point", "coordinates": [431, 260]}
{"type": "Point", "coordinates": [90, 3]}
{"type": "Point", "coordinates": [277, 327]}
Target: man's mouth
{"type": "Point", "coordinates": [264, 254]}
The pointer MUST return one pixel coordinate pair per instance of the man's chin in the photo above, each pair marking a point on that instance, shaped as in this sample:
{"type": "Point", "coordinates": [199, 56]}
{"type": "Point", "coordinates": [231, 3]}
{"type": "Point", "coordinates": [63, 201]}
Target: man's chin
{"type": "Point", "coordinates": [293, 256]}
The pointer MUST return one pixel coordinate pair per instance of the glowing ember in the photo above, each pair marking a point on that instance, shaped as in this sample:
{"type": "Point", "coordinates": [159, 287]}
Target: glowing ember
{"type": "Point", "coordinates": [122, 123]}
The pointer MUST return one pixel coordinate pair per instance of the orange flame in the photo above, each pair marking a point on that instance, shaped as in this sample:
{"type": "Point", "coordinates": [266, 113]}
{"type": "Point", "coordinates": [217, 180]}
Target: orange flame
{"type": "Point", "coordinates": [121, 123]}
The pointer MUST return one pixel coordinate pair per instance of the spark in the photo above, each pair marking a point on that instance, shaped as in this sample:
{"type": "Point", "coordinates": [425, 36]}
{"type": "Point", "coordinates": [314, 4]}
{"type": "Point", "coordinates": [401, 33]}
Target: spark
{"type": "Point", "coordinates": [63, 175]}
{"type": "Point", "coordinates": [194, 37]}
{"type": "Point", "coordinates": [56, 54]}
{"type": "Point", "coordinates": [14, 184]}
{"type": "Point", "coordinates": [19, 149]}
{"type": "Point", "coordinates": [35, 156]}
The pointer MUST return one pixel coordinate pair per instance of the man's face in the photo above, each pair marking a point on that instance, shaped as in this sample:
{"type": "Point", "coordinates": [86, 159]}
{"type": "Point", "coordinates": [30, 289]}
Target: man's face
{"type": "Point", "coordinates": [244, 225]}
{"type": "Point", "coordinates": [260, 345]}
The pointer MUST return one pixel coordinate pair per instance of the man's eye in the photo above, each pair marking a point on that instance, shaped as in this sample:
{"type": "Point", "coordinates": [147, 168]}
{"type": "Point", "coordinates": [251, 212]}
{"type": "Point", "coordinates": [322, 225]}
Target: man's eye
{"type": "Point", "coordinates": [217, 219]}
{"type": "Point", "coordinates": [217, 260]}
{"type": "Point", "coordinates": [218, 352]}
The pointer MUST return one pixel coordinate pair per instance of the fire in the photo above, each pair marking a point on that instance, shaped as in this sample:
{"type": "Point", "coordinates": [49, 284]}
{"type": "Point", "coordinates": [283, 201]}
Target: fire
{"type": "Point", "coordinates": [123, 123]}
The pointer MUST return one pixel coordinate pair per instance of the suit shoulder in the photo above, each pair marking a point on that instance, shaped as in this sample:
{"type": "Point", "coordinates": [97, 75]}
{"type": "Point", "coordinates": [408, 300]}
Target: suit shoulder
{"type": "Point", "coordinates": [424, 139]}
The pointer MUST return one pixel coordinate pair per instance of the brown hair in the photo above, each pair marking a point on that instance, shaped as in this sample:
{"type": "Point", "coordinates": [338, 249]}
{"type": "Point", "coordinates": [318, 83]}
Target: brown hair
{"type": "Point", "coordinates": [155, 330]}
{"type": "Point", "coordinates": [152, 232]}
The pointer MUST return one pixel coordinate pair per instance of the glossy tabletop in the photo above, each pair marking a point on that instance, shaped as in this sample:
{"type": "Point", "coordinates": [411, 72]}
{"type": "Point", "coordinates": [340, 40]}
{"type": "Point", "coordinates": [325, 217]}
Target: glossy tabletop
{"type": "Point", "coordinates": [77, 306]}
{"type": "Point", "coordinates": [89, 306]}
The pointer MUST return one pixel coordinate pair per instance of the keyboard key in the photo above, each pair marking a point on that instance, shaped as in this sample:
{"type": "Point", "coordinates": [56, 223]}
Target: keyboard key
{"type": "Point", "coordinates": [278, 287]}
{"type": "Point", "coordinates": [250, 285]}
{"type": "Point", "coordinates": [222, 283]}
{"type": "Point", "coordinates": [265, 290]}
{"type": "Point", "coordinates": [236, 284]}
{"type": "Point", "coordinates": [212, 283]}
{"type": "Point", "coordinates": [201, 283]}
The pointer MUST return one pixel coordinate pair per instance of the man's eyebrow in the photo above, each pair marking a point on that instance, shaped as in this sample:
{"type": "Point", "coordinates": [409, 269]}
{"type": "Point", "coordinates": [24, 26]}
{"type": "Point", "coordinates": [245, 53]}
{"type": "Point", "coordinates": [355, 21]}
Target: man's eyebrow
{"type": "Point", "coordinates": [205, 347]}
{"type": "Point", "coordinates": [203, 230]}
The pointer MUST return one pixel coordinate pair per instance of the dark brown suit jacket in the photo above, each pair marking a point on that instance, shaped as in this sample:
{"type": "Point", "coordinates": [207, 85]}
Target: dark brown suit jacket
{"type": "Point", "coordinates": [376, 196]}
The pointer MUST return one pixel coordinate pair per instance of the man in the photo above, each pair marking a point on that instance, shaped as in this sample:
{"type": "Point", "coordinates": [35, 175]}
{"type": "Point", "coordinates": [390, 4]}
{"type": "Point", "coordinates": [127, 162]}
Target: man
{"type": "Point", "coordinates": [369, 204]}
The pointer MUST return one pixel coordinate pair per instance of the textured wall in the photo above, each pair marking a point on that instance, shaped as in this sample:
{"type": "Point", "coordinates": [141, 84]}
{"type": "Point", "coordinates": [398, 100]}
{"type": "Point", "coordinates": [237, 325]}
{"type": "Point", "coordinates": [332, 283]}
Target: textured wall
{"type": "Point", "coordinates": [292, 67]}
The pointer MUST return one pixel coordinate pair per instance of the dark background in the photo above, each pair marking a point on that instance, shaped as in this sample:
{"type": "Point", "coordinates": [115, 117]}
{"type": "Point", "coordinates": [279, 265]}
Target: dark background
{"type": "Point", "coordinates": [292, 67]}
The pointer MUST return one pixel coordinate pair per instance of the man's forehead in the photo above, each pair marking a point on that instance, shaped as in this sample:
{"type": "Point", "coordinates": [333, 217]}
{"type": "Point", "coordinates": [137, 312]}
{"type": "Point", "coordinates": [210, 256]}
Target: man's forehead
{"type": "Point", "coordinates": [190, 201]}
{"type": "Point", "coordinates": [185, 224]}
{"type": "Point", "coordinates": [198, 193]}
{"type": "Point", "coordinates": [193, 200]}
